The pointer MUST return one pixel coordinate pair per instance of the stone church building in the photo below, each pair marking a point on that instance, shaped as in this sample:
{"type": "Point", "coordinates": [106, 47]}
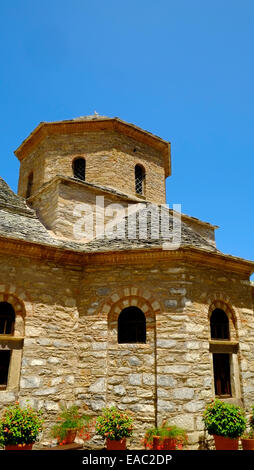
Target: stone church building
{"type": "Point", "coordinates": [116, 317]}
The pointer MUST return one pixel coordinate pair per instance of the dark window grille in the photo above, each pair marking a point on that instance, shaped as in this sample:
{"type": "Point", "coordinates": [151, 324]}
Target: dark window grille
{"type": "Point", "coordinates": [131, 326]}
{"type": "Point", "coordinates": [221, 368]}
{"type": "Point", "coordinates": [7, 318]}
{"type": "Point", "coordinates": [5, 357]}
{"type": "Point", "coordinates": [219, 324]}
{"type": "Point", "coordinates": [29, 185]}
{"type": "Point", "coordinates": [139, 179]}
{"type": "Point", "coordinates": [79, 169]}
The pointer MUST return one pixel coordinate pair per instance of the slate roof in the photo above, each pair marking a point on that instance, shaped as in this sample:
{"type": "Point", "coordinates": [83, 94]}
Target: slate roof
{"type": "Point", "coordinates": [19, 221]}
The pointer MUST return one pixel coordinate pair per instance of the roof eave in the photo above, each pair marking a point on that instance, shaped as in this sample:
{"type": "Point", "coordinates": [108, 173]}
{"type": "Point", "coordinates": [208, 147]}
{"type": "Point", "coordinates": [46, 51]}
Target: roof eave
{"type": "Point", "coordinates": [47, 128]}
{"type": "Point", "coordinates": [70, 256]}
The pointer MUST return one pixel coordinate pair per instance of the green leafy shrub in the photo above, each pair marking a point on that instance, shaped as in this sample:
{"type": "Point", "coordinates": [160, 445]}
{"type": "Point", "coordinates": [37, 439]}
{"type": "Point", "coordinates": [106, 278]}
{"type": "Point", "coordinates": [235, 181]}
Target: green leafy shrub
{"type": "Point", "coordinates": [20, 425]}
{"type": "Point", "coordinates": [166, 431]}
{"type": "Point", "coordinates": [251, 420]}
{"type": "Point", "coordinates": [71, 419]}
{"type": "Point", "coordinates": [224, 419]}
{"type": "Point", "coordinates": [114, 424]}
{"type": "Point", "coordinates": [250, 433]}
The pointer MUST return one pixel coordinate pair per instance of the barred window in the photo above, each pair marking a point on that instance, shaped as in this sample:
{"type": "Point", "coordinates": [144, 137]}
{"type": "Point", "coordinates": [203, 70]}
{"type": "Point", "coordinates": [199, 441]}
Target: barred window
{"type": "Point", "coordinates": [7, 318]}
{"type": "Point", "coordinates": [79, 168]}
{"type": "Point", "coordinates": [221, 369]}
{"type": "Point", "coordinates": [139, 179]}
{"type": "Point", "coordinates": [29, 185]}
{"type": "Point", "coordinates": [131, 326]}
{"type": "Point", "coordinates": [5, 357]}
{"type": "Point", "coordinates": [219, 324]}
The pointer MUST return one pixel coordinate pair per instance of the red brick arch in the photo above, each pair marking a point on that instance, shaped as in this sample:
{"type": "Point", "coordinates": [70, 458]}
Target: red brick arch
{"type": "Point", "coordinates": [223, 303]}
{"type": "Point", "coordinates": [20, 303]}
{"type": "Point", "coordinates": [130, 296]}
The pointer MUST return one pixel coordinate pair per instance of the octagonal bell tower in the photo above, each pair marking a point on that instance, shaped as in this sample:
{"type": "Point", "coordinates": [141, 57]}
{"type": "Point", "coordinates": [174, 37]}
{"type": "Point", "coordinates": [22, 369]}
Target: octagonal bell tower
{"type": "Point", "coordinates": [67, 160]}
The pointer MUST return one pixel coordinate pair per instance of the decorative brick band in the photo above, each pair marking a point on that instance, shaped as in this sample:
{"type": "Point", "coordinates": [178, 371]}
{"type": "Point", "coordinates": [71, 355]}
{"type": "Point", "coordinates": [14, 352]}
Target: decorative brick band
{"type": "Point", "coordinates": [131, 297]}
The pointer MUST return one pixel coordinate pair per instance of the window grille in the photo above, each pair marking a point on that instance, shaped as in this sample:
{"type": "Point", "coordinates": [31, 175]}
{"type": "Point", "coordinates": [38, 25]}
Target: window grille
{"type": "Point", "coordinates": [139, 179]}
{"type": "Point", "coordinates": [5, 357]}
{"type": "Point", "coordinates": [7, 318]}
{"type": "Point", "coordinates": [221, 367]}
{"type": "Point", "coordinates": [79, 169]}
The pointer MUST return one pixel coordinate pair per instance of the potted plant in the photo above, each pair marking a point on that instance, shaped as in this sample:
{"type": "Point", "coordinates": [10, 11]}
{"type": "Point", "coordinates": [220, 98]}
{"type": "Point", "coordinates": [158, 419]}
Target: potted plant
{"type": "Point", "coordinates": [71, 422]}
{"type": "Point", "coordinates": [165, 437]}
{"type": "Point", "coordinates": [114, 426]}
{"type": "Point", "coordinates": [20, 427]}
{"type": "Point", "coordinates": [248, 438]}
{"type": "Point", "coordinates": [225, 422]}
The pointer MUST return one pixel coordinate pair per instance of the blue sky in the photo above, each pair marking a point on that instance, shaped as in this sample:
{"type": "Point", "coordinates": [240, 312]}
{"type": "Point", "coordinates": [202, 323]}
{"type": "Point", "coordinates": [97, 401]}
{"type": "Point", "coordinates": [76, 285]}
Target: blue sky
{"type": "Point", "coordinates": [182, 69]}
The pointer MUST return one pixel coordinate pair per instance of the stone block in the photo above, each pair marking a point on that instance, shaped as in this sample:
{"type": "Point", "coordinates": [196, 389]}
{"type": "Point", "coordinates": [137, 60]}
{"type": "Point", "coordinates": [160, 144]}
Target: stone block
{"type": "Point", "coordinates": [99, 386]}
{"type": "Point", "coordinates": [135, 379]}
{"type": "Point", "coordinates": [183, 393]}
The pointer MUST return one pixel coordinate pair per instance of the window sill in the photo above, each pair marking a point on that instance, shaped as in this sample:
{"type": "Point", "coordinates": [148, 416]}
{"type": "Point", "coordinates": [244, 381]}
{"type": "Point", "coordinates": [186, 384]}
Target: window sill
{"type": "Point", "coordinates": [223, 341]}
{"type": "Point", "coordinates": [9, 391]}
{"type": "Point", "coordinates": [130, 346]}
{"type": "Point", "coordinates": [11, 338]}
{"type": "Point", "coordinates": [221, 397]}
{"type": "Point", "coordinates": [140, 196]}
{"type": "Point", "coordinates": [227, 347]}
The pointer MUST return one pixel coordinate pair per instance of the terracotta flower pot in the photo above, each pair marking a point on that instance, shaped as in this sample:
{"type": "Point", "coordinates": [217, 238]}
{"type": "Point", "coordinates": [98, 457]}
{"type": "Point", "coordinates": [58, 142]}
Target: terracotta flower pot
{"type": "Point", "coordinates": [248, 444]}
{"type": "Point", "coordinates": [165, 443]}
{"type": "Point", "coordinates": [70, 437]}
{"type": "Point", "coordinates": [116, 445]}
{"type": "Point", "coordinates": [225, 443]}
{"type": "Point", "coordinates": [19, 447]}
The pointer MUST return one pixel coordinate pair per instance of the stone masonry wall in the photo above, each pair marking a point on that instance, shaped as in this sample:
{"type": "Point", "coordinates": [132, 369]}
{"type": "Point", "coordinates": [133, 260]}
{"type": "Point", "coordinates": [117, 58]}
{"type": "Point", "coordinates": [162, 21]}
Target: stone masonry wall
{"type": "Point", "coordinates": [110, 161]}
{"type": "Point", "coordinates": [49, 362]}
{"type": "Point", "coordinates": [71, 353]}
{"type": "Point", "coordinates": [180, 363]}
{"type": "Point", "coordinates": [33, 163]}
{"type": "Point", "coordinates": [57, 206]}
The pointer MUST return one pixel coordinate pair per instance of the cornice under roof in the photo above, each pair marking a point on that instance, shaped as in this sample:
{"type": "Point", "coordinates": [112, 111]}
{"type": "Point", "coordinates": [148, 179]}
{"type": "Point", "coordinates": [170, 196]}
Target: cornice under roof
{"type": "Point", "coordinates": [96, 123]}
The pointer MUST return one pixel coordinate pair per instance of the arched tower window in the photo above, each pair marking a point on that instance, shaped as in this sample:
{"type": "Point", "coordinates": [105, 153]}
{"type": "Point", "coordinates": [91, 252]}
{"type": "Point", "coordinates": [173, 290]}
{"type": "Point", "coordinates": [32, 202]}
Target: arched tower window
{"type": "Point", "coordinates": [7, 320]}
{"type": "Point", "coordinates": [139, 179]}
{"type": "Point", "coordinates": [131, 326]}
{"type": "Point", "coordinates": [29, 185]}
{"type": "Point", "coordinates": [219, 324]}
{"type": "Point", "coordinates": [79, 168]}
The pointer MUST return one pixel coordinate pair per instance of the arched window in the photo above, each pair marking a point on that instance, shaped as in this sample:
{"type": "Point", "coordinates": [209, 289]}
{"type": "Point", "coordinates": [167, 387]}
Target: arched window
{"type": "Point", "coordinates": [79, 168]}
{"type": "Point", "coordinates": [7, 320]}
{"type": "Point", "coordinates": [139, 179]}
{"type": "Point", "coordinates": [219, 324]}
{"type": "Point", "coordinates": [131, 326]}
{"type": "Point", "coordinates": [29, 185]}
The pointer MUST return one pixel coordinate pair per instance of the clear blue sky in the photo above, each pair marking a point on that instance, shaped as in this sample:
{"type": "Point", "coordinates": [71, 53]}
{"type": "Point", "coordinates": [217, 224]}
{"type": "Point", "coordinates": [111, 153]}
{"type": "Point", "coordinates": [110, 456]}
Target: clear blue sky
{"type": "Point", "coordinates": [182, 69]}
